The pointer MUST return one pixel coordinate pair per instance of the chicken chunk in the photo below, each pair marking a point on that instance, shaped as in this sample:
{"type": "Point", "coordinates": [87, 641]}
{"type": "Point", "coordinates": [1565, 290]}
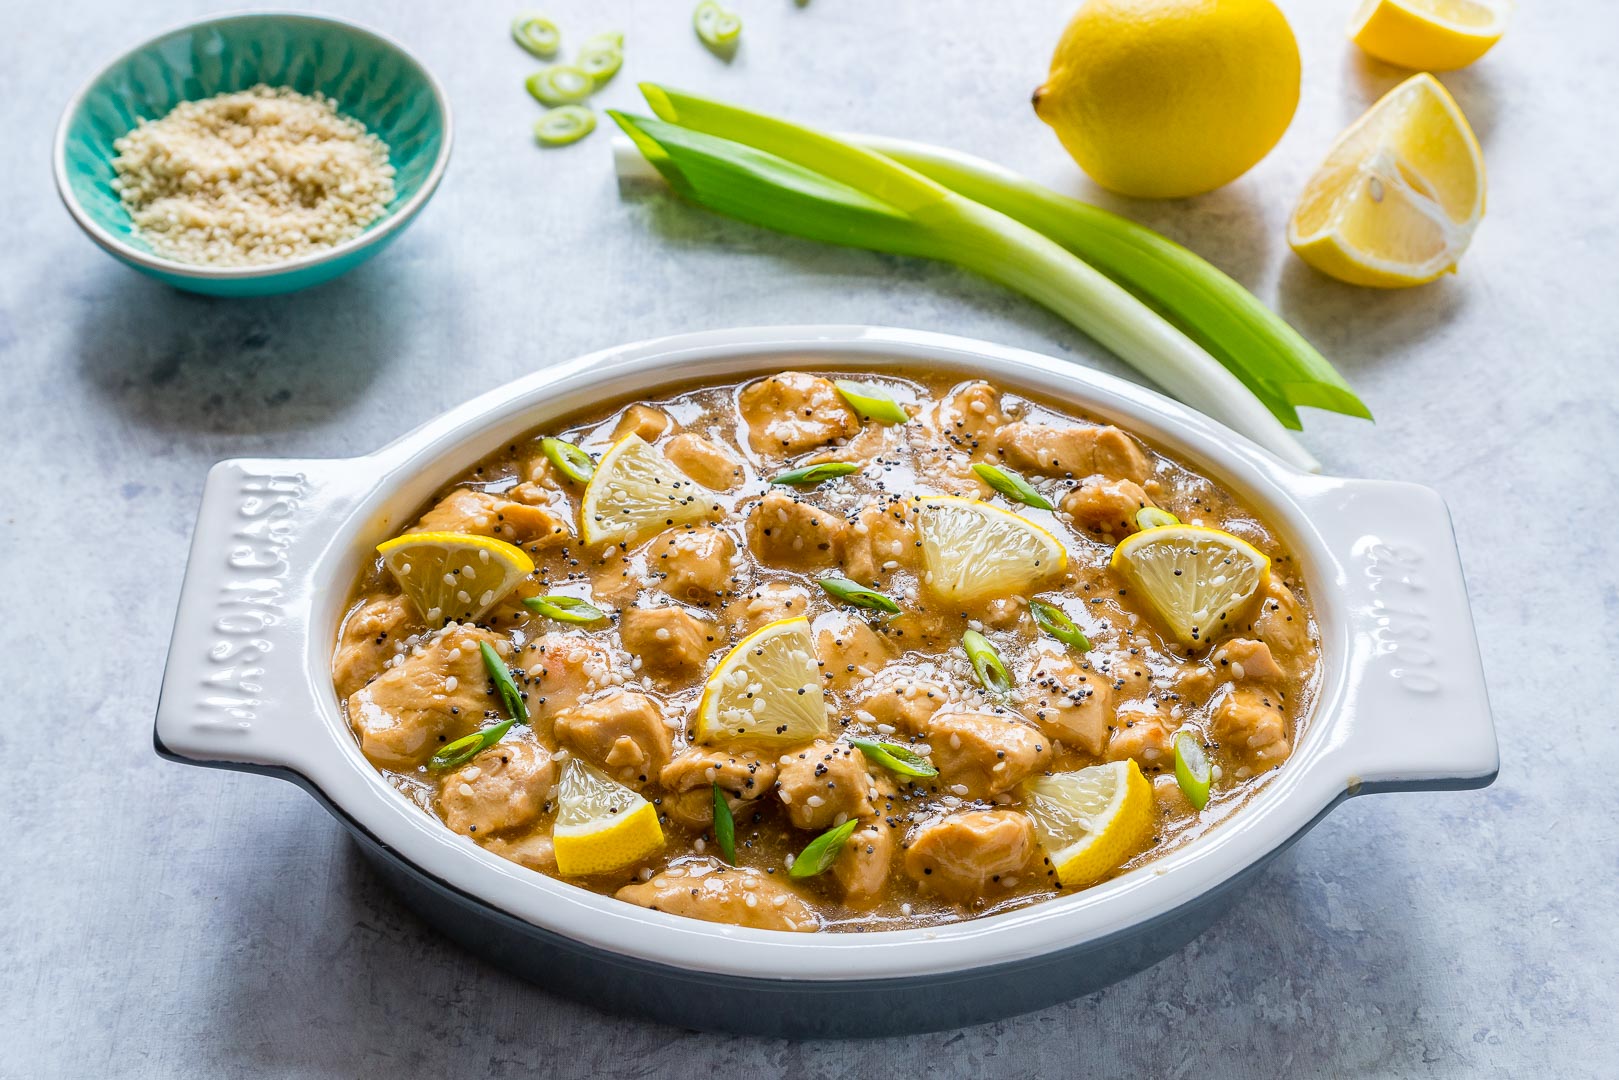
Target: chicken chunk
{"type": "Point", "coordinates": [621, 731]}
{"type": "Point", "coordinates": [785, 531]}
{"type": "Point", "coordinates": [542, 485]}
{"type": "Point", "coordinates": [708, 463]}
{"type": "Point", "coordinates": [696, 565]}
{"type": "Point", "coordinates": [792, 412]}
{"type": "Point", "coordinates": [437, 693]}
{"type": "Point", "coordinates": [882, 539]}
{"type": "Point", "coordinates": [969, 415]}
{"type": "Point", "coordinates": [904, 701]}
{"type": "Point", "coordinates": [862, 866]}
{"type": "Point", "coordinates": [505, 787]}
{"type": "Point", "coordinates": [689, 780]}
{"type": "Point", "coordinates": [962, 855]}
{"type": "Point", "coordinates": [1069, 704]}
{"type": "Point", "coordinates": [673, 644]}
{"type": "Point", "coordinates": [483, 514]}
{"type": "Point", "coordinates": [849, 649]}
{"type": "Point", "coordinates": [1144, 731]}
{"type": "Point", "coordinates": [1250, 723]}
{"type": "Point", "coordinates": [561, 668]}
{"type": "Point", "coordinates": [1246, 660]}
{"type": "Point", "coordinates": [1073, 451]}
{"type": "Point", "coordinates": [713, 893]}
{"type": "Point", "coordinates": [980, 755]}
{"type": "Point", "coordinates": [824, 784]}
{"type": "Point", "coordinates": [533, 850]}
{"type": "Point", "coordinates": [644, 421]}
{"type": "Point", "coordinates": [1105, 506]}
{"type": "Point", "coordinates": [370, 634]}
{"type": "Point", "coordinates": [770, 602]}
{"type": "Point", "coordinates": [1281, 624]}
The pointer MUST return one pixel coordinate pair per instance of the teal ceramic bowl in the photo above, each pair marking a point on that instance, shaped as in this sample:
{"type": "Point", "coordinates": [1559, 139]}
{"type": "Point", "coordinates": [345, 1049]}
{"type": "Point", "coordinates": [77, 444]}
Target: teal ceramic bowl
{"type": "Point", "coordinates": [371, 78]}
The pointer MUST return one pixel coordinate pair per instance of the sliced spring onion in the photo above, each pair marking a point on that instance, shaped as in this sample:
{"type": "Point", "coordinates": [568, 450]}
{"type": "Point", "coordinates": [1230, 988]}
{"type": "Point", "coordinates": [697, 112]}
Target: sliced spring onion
{"type": "Point", "coordinates": [601, 56]}
{"type": "Point", "coordinates": [724, 826]}
{"type": "Point", "coordinates": [717, 27]}
{"type": "Point", "coordinates": [560, 84]}
{"type": "Point", "coordinates": [1192, 770]}
{"type": "Point", "coordinates": [814, 474]}
{"type": "Point", "coordinates": [1012, 485]}
{"type": "Point", "coordinates": [895, 758]}
{"type": "Point", "coordinates": [871, 403]}
{"type": "Point", "coordinates": [538, 35]}
{"type": "Point", "coordinates": [987, 663]}
{"type": "Point", "coordinates": [820, 853]}
{"type": "Point", "coordinates": [1055, 621]}
{"type": "Point", "coordinates": [468, 747]}
{"type": "Point", "coordinates": [569, 609]}
{"type": "Point", "coordinates": [852, 592]}
{"type": "Point", "coordinates": [563, 125]}
{"type": "Point", "coordinates": [570, 461]}
{"type": "Point", "coordinates": [1151, 517]}
{"type": "Point", "coordinates": [510, 696]}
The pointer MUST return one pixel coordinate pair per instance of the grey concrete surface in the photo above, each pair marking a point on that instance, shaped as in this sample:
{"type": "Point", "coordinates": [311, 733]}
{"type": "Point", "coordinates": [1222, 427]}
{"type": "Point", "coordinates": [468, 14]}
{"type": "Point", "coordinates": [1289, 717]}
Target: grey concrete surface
{"type": "Point", "coordinates": [159, 921]}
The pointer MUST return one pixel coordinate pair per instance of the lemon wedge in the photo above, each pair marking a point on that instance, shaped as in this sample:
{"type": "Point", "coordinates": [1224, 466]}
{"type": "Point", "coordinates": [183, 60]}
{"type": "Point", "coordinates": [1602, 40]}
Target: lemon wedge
{"type": "Point", "coordinates": [1429, 35]}
{"type": "Point", "coordinates": [972, 550]}
{"type": "Point", "coordinates": [637, 492]}
{"type": "Point", "coordinates": [1195, 579]}
{"type": "Point", "coordinates": [454, 577]}
{"type": "Point", "coordinates": [766, 690]}
{"type": "Point", "coordinates": [1090, 820]}
{"type": "Point", "coordinates": [601, 825]}
{"type": "Point", "coordinates": [1398, 198]}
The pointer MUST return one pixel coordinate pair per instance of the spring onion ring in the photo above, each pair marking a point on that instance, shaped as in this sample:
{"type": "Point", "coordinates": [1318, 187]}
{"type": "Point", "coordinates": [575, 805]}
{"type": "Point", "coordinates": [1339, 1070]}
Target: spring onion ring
{"type": "Point", "coordinates": [1012, 485]}
{"type": "Point", "coordinates": [871, 403]}
{"type": "Point", "coordinates": [724, 826]}
{"type": "Point", "coordinates": [1055, 621]}
{"type": "Point", "coordinates": [1192, 770]}
{"type": "Point", "coordinates": [510, 696]}
{"type": "Point", "coordinates": [563, 125]}
{"type": "Point", "coordinates": [820, 853]}
{"type": "Point", "coordinates": [560, 84]}
{"type": "Point", "coordinates": [814, 474]}
{"type": "Point", "coordinates": [1151, 517]}
{"type": "Point", "coordinates": [601, 56]}
{"type": "Point", "coordinates": [468, 747]}
{"type": "Point", "coordinates": [895, 758]}
{"type": "Point", "coordinates": [538, 35]}
{"type": "Point", "coordinates": [569, 460]}
{"type": "Point", "coordinates": [852, 592]}
{"type": "Point", "coordinates": [568, 609]}
{"type": "Point", "coordinates": [717, 27]}
{"type": "Point", "coordinates": [987, 663]}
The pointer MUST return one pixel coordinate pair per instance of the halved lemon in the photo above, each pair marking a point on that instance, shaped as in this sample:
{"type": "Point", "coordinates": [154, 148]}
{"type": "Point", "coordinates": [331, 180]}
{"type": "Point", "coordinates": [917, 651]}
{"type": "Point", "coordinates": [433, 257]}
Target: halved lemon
{"type": "Point", "coordinates": [1400, 194]}
{"type": "Point", "coordinates": [1091, 820]}
{"type": "Point", "coordinates": [766, 690]}
{"type": "Point", "coordinates": [637, 492]}
{"type": "Point", "coordinates": [454, 577]}
{"type": "Point", "coordinates": [601, 825]}
{"type": "Point", "coordinates": [972, 550]}
{"type": "Point", "coordinates": [1429, 35]}
{"type": "Point", "coordinates": [1197, 580]}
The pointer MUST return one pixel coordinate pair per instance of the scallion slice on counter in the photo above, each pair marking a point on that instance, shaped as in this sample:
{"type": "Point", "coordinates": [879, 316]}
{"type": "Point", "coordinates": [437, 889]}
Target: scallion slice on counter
{"type": "Point", "coordinates": [601, 56]}
{"type": "Point", "coordinates": [570, 461]}
{"type": "Point", "coordinates": [871, 403]}
{"type": "Point", "coordinates": [510, 696]}
{"type": "Point", "coordinates": [568, 609]}
{"type": "Point", "coordinates": [814, 474]}
{"type": "Point", "coordinates": [538, 35]}
{"type": "Point", "coordinates": [1151, 517]}
{"type": "Point", "coordinates": [563, 125]}
{"type": "Point", "coordinates": [1192, 770]}
{"type": "Point", "coordinates": [468, 747]}
{"type": "Point", "coordinates": [987, 663]}
{"type": "Point", "coordinates": [560, 84]}
{"type": "Point", "coordinates": [1055, 621]}
{"type": "Point", "coordinates": [724, 826]}
{"type": "Point", "coordinates": [895, 758]}
{"type": "Point", "coordinates": [1012, 485]}
{"type": "Point", "coordinates": [716, 26]}
{"type": "Point", "coordinates": [820, 853]}
{"type": "Point", "coordinates": [852, 592]}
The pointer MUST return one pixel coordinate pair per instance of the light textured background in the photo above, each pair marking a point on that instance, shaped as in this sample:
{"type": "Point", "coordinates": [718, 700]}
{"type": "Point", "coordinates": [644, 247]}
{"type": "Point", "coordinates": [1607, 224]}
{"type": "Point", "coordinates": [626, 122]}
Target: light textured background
{"type": "Point", "coordinates": [170, 922]}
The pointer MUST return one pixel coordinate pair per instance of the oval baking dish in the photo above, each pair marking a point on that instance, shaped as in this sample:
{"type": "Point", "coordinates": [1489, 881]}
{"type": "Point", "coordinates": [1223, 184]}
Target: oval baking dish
{"type": "Point", "coordinates": [1401, 705]}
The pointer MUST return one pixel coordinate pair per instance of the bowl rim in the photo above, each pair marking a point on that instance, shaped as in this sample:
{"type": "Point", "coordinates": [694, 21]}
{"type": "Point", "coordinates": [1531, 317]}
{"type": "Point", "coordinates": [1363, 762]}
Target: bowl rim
{"type": "Point", "coordinates": [397, 217]}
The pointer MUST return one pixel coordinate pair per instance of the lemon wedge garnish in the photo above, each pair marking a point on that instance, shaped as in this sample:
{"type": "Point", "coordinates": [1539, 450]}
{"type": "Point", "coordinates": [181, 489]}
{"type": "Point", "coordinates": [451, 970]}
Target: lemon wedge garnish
{"type": "Point", "coordinates": [972, 550]}
{"type": "Point", "coordinates": [1400, 193]}
{"type": "Point", "coordinates": [766, 690]}
{"type": "Point", "coordinates": [1429, 35]}
{"type": "Point", "coordinates": [601, 825]}
{"type": "Point", "coordinates": [635, 493]}
{"type": "Point", "coordinates": [454, 577]}
{"type": "Point", "coordinates": [1091, 820]}
{"type": "Point", "coordinates": [1196, 579]}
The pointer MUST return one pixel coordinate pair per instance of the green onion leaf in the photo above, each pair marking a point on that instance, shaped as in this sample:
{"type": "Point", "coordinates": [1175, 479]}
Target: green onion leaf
{"type": "Point", "coordinates": [568, 609]}
{"type": "Point", "coordinates": [852, 592]}
{"type": "Point", "coordinates": [538, 35]}
{"type": "Point", "coordinates": [1055, 621]}
{"type": "Point", "coordinates": [468, 747]}
{"type": "Point", "coordinates": [1012, 485]}
{"type": "Point", "coordinates": [987, 663]}
{"type": "Point", "coordinates": [871, 403]}
{"type": "Point", "coordinates": [1150, 517]}
{"type": "Point", "coordinates": [724, 826]}
{"type": "Point", "coordinates": [820, 853]}
{"type": "Point", "coordinates": [601, 56]}
{"type": "Point", "coordinates": [814, 474]}
{"type": "Point", "coordinates": [895, 758]}
{"type": "Point", "coordinates": [510, 696]}
{"type": "Point", "coordinates": [1192, 770]}
{"type": "Point", "coordinates": [560, 84]}
{"type": "Point", "coordinates": [563, 125]}
{"type": "Point", "coordinates": [717, 27]}
{"type": "Point", "coordinates": [570, 461]}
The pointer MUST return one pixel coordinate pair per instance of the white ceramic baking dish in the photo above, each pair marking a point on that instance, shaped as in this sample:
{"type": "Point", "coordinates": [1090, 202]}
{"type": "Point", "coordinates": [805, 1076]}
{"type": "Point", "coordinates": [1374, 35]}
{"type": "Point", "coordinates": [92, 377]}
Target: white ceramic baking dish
{"type": "Point", "coordinates": [278, 544]}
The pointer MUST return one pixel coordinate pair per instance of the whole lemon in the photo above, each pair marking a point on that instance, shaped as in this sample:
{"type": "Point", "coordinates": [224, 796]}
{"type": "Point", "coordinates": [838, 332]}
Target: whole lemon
{"type": "Point", "coordinates": [1167, 98]}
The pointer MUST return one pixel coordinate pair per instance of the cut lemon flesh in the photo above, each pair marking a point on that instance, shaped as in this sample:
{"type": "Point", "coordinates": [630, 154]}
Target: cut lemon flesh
{"type": "Point", "coordinates": [1400, 194]}
{"type": "Point", "coordinates": [1197, 580]}
{"type": "Point", "coordinates": [972, 550]}
{"type": "Point", "coordinates": [635, 493]}
{"type": "Point", "coordinates": [766, 690]}
{"type": "Point", "coordinates": [1091, 820]}
{"type": "Point", "coordinates": [601, 825]}
{"type": "Point", "coordinates": [454, 577]}
{"type": "Point", "coordinates": [1429, 35]}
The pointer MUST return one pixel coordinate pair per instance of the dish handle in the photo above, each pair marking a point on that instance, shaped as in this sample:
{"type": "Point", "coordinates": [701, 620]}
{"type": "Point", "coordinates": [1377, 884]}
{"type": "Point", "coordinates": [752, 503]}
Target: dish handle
{"type": "Point", "coordinates": [236, 690]}
{"type": "Point", "coordinates": [1416, 714]}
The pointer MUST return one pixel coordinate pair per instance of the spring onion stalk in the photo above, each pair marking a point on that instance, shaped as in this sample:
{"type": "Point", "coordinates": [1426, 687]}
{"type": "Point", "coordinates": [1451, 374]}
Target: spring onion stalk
{"type": "Point", "coordinates": [1012, 485]}
{"type": "Point", "coordinates": [568, 609]}
{"type": "Point", "coordinates": [563, 125]}
{"type": "Point", "coordinates": [795, 180]}
{"type": "Point", "coordinates": [815, 474]}
{"type": "Point", "coordinates": [724, 826]}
